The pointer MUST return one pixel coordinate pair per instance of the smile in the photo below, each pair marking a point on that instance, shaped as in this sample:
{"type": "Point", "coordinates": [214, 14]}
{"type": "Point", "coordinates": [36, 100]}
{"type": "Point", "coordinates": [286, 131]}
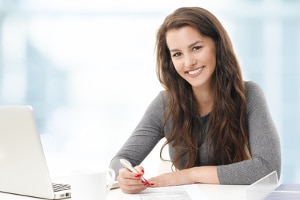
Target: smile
{"type": "Point", "coordinates": [195, 71]}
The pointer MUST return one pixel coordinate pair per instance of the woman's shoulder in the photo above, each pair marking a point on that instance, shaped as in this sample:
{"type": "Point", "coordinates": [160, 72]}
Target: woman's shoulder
{"type": "Point", "coordinates": [160, 100]}
{"type": "Point", "coordinates": [254, 94]}
{"type": "Point", "coordinates": [163, 95]}
{"type": "Point", "coordinates": [251, 85]}
{"type": "Point", "coordinates": [252, 89]}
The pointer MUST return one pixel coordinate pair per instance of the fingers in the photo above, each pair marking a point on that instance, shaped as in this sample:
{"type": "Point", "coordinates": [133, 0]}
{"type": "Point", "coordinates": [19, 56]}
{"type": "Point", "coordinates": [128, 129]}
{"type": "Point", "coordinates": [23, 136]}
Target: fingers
{"type": "Point", "coordinates": [130, 182]}
{"type": "Point", "coordinates": [144, 181]}
{"type": "Point", "coordinates": [163, 180]}
{"type": "Point", "coordinates": [140, 169]}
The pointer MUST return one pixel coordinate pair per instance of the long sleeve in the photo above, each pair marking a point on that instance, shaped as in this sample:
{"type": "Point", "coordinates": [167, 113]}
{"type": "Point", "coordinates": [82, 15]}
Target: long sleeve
{"type": "Point", "coordinates": [145, 136]}
{"type": "Point", "coordinates": [264, 143]}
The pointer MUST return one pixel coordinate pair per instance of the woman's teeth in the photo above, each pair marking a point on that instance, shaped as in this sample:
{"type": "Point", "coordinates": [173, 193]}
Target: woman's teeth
{"type": "Point", "coordinates": [195, 71]}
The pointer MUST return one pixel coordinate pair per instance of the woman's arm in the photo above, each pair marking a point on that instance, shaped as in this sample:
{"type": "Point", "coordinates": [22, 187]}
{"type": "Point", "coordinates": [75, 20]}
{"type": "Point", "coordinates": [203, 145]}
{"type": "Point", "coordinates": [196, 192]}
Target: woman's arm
{"type": "Point", "coordinates": [202, 174]}
{"type": "Point", "coordinates": [264, 143]}
{"type": "Point", "coordinates": [145, 136]}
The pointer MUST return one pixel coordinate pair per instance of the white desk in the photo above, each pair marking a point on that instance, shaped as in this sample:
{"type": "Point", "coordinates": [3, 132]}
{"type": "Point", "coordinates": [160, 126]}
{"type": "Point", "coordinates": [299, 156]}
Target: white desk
{"type": "Point", "coordinates": [213, 192]}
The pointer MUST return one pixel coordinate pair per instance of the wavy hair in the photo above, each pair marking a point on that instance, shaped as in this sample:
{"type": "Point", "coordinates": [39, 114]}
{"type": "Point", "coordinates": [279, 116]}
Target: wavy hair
{"type": "Point", "coordinates": [227, 132]}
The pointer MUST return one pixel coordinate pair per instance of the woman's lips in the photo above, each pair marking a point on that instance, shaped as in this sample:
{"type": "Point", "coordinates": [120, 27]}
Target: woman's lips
{"type": "Point", "coordinates": [195, 71]}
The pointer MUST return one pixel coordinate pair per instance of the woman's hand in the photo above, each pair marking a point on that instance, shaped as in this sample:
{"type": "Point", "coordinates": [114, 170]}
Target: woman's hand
{"type": "Point", "coordinates": [203, 174]}
{"type": "Point", "coordinates": [171, 179]}
{"type": "Point", "coordinates": [130, 182]}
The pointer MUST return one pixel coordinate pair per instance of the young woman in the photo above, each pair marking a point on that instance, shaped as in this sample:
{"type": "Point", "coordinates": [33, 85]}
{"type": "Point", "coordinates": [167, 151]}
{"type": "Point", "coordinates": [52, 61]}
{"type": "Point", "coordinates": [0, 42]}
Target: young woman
{"type": "Point", "coordinates": [217, 126]}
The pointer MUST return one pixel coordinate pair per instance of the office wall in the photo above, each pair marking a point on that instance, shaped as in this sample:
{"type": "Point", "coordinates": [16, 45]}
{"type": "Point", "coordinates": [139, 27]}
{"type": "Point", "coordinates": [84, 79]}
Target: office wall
{"type": "Point", "coordinates": [88, 69]}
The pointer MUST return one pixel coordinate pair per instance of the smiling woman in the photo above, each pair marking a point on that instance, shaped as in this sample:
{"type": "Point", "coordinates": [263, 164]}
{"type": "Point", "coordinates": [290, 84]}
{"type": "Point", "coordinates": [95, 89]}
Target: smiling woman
{"type": "Point", "coordinates": [217, 126]}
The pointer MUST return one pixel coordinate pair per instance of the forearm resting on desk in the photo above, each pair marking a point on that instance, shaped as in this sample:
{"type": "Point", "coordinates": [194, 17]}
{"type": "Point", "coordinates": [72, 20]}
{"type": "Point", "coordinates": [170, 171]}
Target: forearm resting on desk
{"type": "Point", "coordinates": [203, 174]}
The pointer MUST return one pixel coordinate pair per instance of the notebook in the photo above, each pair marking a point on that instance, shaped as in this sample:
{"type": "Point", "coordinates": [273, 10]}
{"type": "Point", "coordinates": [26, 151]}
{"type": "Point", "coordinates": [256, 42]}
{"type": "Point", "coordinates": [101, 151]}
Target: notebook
{"type": "Point", "coordinates": [23, 167]}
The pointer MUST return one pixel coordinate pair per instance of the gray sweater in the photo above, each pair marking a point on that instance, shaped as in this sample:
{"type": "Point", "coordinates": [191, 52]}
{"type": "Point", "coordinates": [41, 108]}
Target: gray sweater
{"type": "Point", "coordinates": [263, 136]}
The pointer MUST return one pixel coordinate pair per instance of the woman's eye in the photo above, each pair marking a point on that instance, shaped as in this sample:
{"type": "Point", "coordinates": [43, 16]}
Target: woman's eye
{"type": "Point", "coordinates": [197, 48]}
{"type": "Point", "coordinates": [177, 54]}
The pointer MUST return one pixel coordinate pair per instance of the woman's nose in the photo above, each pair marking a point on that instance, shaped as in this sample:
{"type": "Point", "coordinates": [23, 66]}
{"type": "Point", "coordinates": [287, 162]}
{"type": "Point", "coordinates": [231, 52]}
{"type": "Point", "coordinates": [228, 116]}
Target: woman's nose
{"type": "Point", "coordinates": [189, 61]}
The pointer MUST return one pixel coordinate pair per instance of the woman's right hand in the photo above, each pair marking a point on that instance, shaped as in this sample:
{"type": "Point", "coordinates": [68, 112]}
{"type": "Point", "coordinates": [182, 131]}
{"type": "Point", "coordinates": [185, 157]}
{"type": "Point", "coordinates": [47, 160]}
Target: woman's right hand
{"type": "Point", "coordinates": [130, 182]}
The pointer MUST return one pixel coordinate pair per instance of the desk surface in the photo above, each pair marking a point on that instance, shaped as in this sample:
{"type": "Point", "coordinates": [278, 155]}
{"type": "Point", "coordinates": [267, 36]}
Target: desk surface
{"type": "Point", "coordinates": [213, 192]}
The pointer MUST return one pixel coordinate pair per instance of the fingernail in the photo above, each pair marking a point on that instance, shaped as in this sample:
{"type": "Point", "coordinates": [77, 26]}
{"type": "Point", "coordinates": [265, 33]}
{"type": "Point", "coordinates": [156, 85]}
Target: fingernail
{"type": "Point", "coordinates": [146, 184]}
{"type": "Point", "coordinates": [151, 184]}
{"type": "Point", "coordinates": [137, 175]}
{"type": "Point", "coordinates": [143, 171]}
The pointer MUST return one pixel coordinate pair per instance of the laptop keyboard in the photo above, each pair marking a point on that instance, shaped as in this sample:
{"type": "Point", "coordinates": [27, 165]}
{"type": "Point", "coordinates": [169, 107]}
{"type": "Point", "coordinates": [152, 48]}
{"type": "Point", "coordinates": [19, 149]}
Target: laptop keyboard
{"type": "Point", "coordinates": [60, 187]}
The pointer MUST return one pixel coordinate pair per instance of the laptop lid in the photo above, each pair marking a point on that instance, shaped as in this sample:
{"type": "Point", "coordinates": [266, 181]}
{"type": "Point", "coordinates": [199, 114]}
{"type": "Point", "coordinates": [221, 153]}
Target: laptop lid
{"type": "Point", "coordinates": [263, 187]}
{"type": "Point", "coordinates": [23, 167]}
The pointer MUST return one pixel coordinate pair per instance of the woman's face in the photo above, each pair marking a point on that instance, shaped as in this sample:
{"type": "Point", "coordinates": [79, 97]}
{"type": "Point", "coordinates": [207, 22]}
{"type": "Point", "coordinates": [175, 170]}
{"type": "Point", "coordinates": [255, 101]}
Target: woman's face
{"type": "Point", "coordinates": [193, 55]}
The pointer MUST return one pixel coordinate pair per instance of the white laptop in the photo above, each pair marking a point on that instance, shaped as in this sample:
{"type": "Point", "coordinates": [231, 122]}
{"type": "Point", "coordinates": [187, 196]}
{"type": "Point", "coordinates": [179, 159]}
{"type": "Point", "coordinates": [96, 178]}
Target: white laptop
{"type": "Point", "coordinates": [260, 189]}
{"type": "Point", "coordinates": [23, 167]}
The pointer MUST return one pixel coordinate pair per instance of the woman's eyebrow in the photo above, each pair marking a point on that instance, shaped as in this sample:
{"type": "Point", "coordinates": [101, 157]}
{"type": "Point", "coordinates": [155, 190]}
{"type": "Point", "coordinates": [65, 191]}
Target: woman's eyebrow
{"type": "Point", "coordinates": [193, 44]}
{"type": "Point", "coordinates": [190, 46]}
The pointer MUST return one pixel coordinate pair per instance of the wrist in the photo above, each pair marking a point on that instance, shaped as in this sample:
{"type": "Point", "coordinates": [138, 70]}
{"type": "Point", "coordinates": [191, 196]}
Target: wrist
{"type": "Point", "coordinates": [193, 174]}
{"type": "Point", "coordinates": [203, 174]}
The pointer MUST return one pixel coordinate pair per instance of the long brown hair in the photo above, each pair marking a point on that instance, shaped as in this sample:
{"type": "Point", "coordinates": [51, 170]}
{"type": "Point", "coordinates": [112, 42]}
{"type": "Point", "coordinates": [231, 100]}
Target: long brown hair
{"type": "Point", "coordinates": [228, 129]}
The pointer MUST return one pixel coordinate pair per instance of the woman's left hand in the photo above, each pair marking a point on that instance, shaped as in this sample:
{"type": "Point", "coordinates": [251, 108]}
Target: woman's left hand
{"type": "Point", "coordinates": [173, 178]}
{"type": "Point", "coordinates": [202, 174]}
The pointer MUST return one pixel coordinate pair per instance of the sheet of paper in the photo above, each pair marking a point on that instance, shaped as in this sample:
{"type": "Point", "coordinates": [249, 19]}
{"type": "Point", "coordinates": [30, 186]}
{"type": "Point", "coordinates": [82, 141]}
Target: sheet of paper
{"type": "Point", "coordinates": [186, 192]}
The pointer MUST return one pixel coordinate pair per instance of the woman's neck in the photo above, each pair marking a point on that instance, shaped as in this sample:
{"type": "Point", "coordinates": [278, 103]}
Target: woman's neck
{"type": "Point", "coordinates": [205, 99]}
